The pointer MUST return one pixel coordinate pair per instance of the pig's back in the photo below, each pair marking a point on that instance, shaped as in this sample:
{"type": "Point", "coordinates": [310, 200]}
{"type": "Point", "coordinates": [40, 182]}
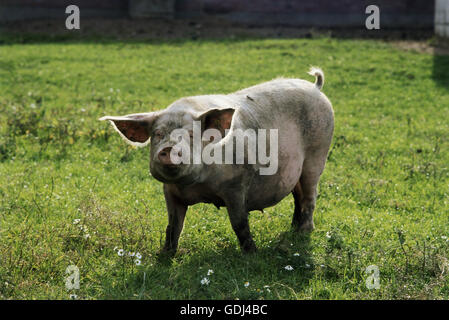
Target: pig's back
{"type": "Point", "coordinates": [290, 105]}
{"type": "Point", "coordinates": [304, 118]}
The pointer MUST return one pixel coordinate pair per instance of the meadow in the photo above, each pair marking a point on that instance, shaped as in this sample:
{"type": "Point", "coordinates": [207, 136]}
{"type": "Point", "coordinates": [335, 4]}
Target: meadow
{"type": "Point", "coordinates": [73, 193]}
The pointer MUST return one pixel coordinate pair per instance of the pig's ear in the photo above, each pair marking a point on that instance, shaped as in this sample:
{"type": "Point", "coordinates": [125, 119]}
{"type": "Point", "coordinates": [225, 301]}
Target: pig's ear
{"type": "Point", "coordinates": [134, 128]}
{"type": "Point", "coordinates": [219, 119]}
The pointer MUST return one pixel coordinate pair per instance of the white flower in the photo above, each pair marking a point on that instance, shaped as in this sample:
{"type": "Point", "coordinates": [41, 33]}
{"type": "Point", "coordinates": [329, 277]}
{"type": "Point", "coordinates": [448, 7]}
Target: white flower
{"type": "Point", "coordinates": [138, 255]}
{"type": "Point", "coordinates": [205, 281]}
{"type": "Point", "coordinates": [137, 262]}
{"type": "Point", "coordinates": [73, 296]}
{"type": "Point", "coordinates": [131, 254]}
{"type": "Point", "coordinates": [86, 236]}
{"type": "Point", "coordinates": [209, 272]}
{"type": "Point", "coordinates": [121, 252]}
{"type": "Point", "coordinates": [246, 284]}
{"type": "Point", "coordinates": [307, 265]}
{"type": "Point", "coordinates": [76, 221]}
{"type": "Point", "coordinates": [289, 268]}
{"type": "Point", "coordinates": [296, 254]}
{"type": "Point", "coordinates": [328, 235]}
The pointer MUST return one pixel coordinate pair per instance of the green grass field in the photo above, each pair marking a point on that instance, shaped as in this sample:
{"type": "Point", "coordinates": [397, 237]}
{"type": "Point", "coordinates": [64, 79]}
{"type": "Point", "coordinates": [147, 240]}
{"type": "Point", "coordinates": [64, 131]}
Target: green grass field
{"type": "Point", "coordinates": [383, 197]}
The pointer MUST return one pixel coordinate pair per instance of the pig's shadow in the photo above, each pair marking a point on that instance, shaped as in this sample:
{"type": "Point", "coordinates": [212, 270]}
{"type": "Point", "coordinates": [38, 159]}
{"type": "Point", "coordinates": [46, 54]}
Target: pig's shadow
{"type": "Point", "coordinates": [183, 273]}
{"type": "Point", "coordinates": [268, 266]}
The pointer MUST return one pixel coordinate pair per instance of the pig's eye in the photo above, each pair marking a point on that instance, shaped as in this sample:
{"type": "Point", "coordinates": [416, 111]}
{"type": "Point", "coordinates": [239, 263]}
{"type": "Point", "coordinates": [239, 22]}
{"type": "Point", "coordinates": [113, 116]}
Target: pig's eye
{"type": "Point", "coordinates": [158, 134]}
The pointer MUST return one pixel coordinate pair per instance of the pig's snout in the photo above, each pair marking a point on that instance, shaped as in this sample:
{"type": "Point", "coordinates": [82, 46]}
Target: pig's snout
{"type": "Point", "coordinates": [164, 156]}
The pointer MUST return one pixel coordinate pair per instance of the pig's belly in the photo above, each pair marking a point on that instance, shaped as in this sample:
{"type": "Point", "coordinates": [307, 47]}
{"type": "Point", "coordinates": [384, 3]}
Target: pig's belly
{"type": "Point", "coordinates": [266, 191]}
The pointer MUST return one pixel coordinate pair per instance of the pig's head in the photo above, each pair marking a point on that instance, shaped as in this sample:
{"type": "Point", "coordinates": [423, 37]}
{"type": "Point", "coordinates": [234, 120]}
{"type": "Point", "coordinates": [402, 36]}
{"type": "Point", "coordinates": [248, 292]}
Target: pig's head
{"type": "Point", "coordinates": [163, 130]}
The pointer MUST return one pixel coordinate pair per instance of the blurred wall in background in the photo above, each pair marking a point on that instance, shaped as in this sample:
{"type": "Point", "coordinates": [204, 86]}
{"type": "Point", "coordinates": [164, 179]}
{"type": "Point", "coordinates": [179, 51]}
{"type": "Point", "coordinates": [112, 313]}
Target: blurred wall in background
{"type": "Point", "coordinates": [442, 18]}
{"type": "Point", "coordinates": [298, 13]}
{"type": "Point", "coordinates": [17, 10]}
{"type": "Point", "coordinates": [313, 13]}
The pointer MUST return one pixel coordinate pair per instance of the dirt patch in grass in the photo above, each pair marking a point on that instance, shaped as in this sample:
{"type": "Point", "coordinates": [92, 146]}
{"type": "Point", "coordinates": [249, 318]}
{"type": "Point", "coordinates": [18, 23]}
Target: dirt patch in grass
{"type": "Point", "coordinates": [437, 48]}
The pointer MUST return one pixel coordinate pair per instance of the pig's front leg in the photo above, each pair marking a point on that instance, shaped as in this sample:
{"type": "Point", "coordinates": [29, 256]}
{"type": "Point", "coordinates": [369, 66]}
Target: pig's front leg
{"type": "Point", "coordinates": [176, 214]}
{"type": "Point", "coordinates": [238, 214]}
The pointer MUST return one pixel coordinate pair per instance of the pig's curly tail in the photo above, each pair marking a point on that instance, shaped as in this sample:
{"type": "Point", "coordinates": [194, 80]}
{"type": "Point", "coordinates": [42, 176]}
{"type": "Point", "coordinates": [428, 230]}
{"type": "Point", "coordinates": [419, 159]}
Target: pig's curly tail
{"type": "Point", "coordinates": [319, 75]}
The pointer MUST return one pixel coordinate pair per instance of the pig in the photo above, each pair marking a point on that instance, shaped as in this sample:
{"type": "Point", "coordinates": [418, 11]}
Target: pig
{"type": "Point", "coordinates": [296, 109]}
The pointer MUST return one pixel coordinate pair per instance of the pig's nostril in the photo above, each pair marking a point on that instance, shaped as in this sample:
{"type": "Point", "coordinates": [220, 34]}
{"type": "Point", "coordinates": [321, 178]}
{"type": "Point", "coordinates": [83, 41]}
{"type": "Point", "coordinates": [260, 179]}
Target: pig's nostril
{"type": "Point", "coordinates": [164, 156]}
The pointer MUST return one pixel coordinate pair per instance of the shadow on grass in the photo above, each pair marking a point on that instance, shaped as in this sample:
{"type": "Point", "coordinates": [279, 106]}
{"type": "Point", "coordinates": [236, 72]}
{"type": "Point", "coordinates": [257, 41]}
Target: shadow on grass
{"type": "Point", "coordinates": [440, 72]}
{"type": "Point", "coordinates": [180, 277]}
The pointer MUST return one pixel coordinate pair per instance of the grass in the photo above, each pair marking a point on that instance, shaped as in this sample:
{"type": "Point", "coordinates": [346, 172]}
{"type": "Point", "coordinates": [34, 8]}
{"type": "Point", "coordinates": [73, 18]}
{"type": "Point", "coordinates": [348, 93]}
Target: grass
{"type": "Point", "coordinates": [383, 197]}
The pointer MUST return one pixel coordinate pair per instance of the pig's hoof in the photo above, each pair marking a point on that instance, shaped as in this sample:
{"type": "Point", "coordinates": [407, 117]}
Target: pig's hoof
{"type": "Point", "coordinates": [249, 248]}
{"type": "Point", "coordinates": [304, 227]}
{"type": "Point", "coordinates": [167, 252]}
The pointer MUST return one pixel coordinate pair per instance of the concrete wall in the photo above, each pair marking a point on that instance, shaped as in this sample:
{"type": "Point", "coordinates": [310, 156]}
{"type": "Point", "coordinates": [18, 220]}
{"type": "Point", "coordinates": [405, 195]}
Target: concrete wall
{"type": "Point", "coordinates": [442, 18]}
{"type": "Point", "coordinates": [300, 13]}
{"type": "Point", "coordinates": [151, 8]}
{"type": "Point", "coordinates": [16, 10]}
{"type": "Point", "coordinates": [313, 13]}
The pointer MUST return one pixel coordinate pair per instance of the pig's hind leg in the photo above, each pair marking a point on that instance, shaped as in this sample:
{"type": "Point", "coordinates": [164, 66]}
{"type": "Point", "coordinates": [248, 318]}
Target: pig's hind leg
{"type": "Point", "coordinates": [305, 193]}
{"type": "Point", "coordinates": [238, 214]}
{"type": "Point", "coordinates": [297, 195]}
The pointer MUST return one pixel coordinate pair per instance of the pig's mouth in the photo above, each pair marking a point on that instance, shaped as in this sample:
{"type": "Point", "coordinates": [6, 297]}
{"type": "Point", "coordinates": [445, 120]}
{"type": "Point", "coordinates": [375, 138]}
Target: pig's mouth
{"type": "Point", "coordinates": [167, 173]}
{"type": "Point", "coordinates": [171, 169]}
{"type": "Point", "coordinates": [174, 174]}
